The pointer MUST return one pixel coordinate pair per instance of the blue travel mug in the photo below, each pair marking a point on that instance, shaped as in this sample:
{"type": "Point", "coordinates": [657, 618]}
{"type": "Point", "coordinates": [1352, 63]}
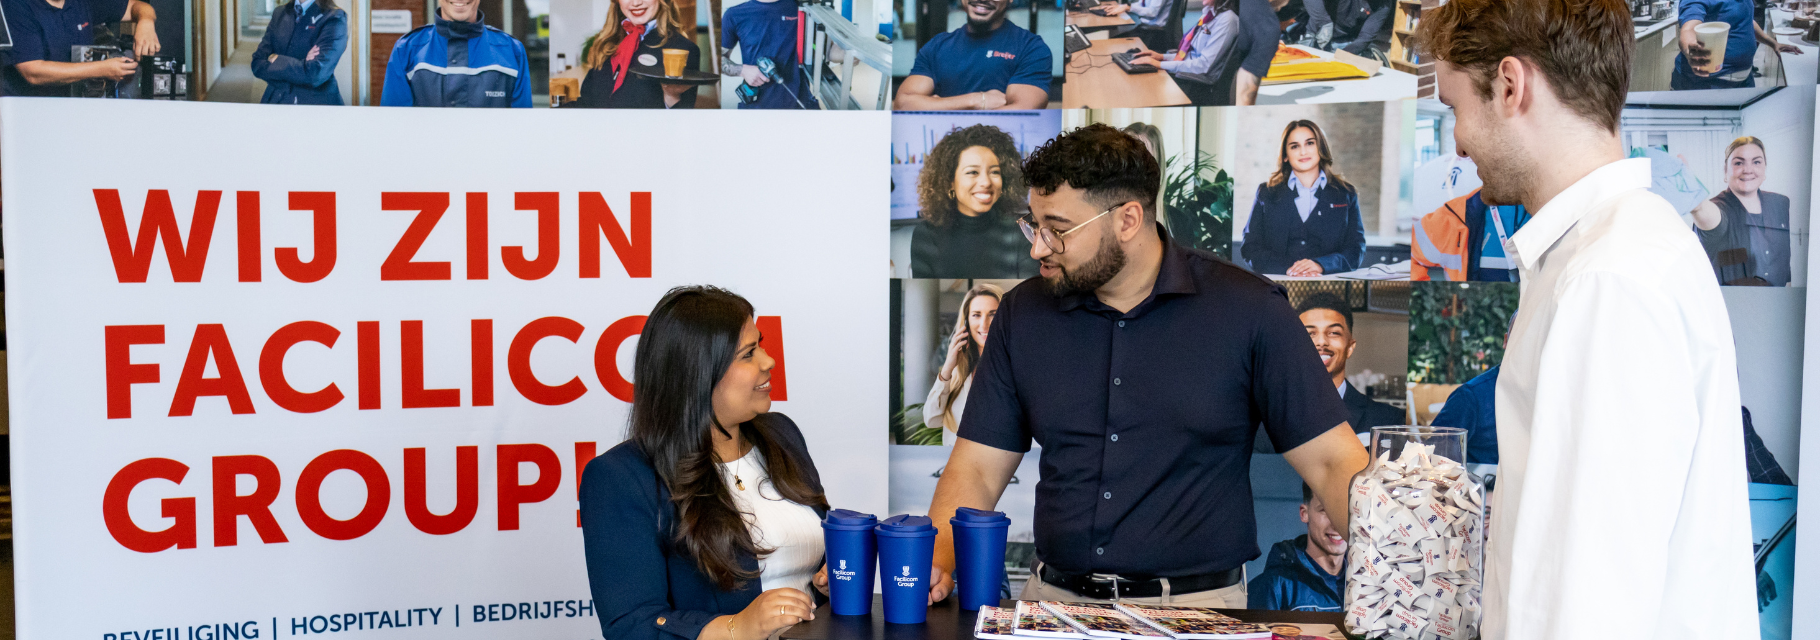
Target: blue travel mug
{"type": "Point", "coordinates": [979, 556]}
{"type": "Point", "coordinates": [906, 546]}
{"type": "Point", "coordinates": [852, 552]}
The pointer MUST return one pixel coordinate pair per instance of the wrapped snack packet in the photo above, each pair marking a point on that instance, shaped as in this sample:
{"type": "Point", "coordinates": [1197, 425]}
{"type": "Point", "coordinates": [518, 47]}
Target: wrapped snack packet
{"type": "Point", "coordinates": [1442, 589]}
{"type": "Point", "coordinates": [1402, 589]}
{"type": "Point", "coordinates": [1434, 556]}
{"type": "Point", "coordinates": [1406, 623]}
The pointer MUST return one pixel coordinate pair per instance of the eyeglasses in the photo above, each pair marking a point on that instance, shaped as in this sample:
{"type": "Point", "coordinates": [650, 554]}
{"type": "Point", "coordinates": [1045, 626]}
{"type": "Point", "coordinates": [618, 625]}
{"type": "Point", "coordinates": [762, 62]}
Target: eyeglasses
{"type": "Point", "coordinates": [1052, 239]}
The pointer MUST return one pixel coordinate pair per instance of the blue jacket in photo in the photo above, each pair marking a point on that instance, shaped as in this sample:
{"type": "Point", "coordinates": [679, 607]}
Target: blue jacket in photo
{"type": "Point", "coordinates": [1474, 407]}
{"type": "Point", "coordinates": [1291, 581]}
{"type": "Point", "coordinates": [645, 587]}
{"type": "Point", "coordinates": [457, 64]}
{"type": "Point", "coordinates": [1333, 237]}
{"type": "Point", "coordinates": [294, 77]}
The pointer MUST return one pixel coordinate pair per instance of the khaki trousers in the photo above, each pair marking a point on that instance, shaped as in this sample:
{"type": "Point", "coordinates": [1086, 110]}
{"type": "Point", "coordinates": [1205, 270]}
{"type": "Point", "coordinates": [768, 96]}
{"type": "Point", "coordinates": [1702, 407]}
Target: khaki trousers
{"type": "Point", "coordinates": [1233, 597]}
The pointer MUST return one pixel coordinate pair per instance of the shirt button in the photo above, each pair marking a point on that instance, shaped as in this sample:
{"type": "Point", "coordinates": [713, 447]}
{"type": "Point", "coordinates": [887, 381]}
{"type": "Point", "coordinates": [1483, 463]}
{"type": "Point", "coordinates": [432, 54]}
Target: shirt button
{"type": "Point", "coordinates": [1121, 323]}
{"type": "Point", "coordinates": [1100, 551]}
{"type": "Point", "coordinates": [1117, 382]}
{"type": "Point", "coordinates": [1115, 437]}
{"type": "Point", "coordinates": [1107, 495]}
{"type": "Point", "coordinates": [660, 622]}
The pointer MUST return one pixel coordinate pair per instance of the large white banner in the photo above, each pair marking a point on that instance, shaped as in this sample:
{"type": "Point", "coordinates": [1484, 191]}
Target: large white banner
{"type": "Point", "coordinates": [295, 371]}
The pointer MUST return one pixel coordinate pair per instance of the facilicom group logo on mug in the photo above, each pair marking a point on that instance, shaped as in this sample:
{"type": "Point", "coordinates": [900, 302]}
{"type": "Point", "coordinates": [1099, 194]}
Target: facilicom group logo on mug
{"type": "Point", "coordinates": [905, 580]}
{"type": "Point", "coordinates": [841, 573]}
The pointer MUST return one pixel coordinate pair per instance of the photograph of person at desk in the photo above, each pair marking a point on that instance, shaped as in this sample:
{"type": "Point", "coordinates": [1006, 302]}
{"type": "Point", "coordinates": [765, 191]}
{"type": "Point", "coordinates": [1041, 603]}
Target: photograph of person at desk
{"type": "Point", "coordinates": [1358, 27]}
{"type": "Point", "coordinates": [1158, 23]}
{"type": "Point", "coordinates": [1306, 221]}
{"type": "Point", "coordinates": [1203, 62]}
{"type": "Point", "coordinates": [1220, 61]}
{"type": "Point", "coordinates": [990, 63]}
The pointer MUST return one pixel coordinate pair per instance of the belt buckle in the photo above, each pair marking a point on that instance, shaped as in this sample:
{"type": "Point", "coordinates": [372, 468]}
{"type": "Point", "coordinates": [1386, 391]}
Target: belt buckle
{"type": "Point", "coordinates": [1107, 577]}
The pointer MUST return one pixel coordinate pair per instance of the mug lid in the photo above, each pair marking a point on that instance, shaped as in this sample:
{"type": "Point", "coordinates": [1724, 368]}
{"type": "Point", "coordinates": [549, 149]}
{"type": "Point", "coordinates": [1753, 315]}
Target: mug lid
{"type": "Point", "coordinates": [845, 519]}
{"type": "Point", "coordinates": [907, 526]}
{"type": "Point", "coordinates": [970, 517]}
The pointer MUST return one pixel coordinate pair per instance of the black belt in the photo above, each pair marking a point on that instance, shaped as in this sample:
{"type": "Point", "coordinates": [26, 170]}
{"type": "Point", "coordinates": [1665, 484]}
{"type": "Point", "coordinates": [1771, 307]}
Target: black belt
{"type": "Point", "coordinates": [1100, 586]}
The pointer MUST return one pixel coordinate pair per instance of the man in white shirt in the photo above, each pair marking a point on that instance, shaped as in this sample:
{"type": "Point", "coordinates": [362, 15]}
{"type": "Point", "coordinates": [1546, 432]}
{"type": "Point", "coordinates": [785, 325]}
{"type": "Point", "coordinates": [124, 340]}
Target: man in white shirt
{"type": "Point", "coordinates": [1621, 509]}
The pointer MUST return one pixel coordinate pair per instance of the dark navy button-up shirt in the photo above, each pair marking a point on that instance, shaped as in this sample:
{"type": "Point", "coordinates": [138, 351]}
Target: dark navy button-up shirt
{"type": "Point", "coordinates": [1147, 418]}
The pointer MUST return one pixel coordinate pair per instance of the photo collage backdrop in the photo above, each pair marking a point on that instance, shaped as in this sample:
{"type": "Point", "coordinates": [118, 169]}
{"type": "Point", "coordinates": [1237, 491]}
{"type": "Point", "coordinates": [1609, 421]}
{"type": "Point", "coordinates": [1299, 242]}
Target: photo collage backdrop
{"type": "Point", "coordinates": [1417, 270]}
{"type": "Point", "coordinates": [1420, 270]}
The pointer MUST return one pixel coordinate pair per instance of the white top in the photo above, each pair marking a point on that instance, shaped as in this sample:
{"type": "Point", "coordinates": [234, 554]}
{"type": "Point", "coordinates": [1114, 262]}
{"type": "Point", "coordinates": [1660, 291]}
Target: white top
{"type": "Point", "coordinates": [1619, 434]}
{"type": "Point", "coordinates": [933, 406]}
{"type": "Point", "coordinates": [791, 529]}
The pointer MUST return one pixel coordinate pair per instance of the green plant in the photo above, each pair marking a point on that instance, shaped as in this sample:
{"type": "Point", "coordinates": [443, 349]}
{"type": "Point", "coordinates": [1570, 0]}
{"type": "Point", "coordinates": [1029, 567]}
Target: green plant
{"type": "Point", "coordinates": [907, 428]}
{"type": "Point", "coordinates": [1197, 200]}
{"type": "Point", "coordinates": [1456, 329]}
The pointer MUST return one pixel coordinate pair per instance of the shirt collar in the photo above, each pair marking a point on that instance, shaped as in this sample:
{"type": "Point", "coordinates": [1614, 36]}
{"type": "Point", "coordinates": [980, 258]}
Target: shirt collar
{"type": "Point", "coordinates": [1567, 208]}
{"type": "Point", "coordinates": [627, 26]}
{"type": "Point", "coordinates": [1173, 277]}
{"type": "Point", "coordinates": [1319, 183]}
{"type": "Point", "coordinates": [1343, 385]}
{"type": "Point", "coordinates": [303, 6]}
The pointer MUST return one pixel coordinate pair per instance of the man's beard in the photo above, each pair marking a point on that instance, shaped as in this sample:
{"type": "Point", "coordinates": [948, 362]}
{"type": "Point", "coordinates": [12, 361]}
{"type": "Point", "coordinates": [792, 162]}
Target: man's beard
{"type": "Point", "coordinates": [984, 25]}
{"type": "Point", "coordinates": [1091, 276]}
{"type": "Point", "coordinates": [1504, 178]}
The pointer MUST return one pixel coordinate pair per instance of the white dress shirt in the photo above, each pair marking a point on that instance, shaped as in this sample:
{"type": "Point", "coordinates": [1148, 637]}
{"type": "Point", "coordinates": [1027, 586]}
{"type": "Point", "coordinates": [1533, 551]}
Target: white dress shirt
{"type": "Point", "coordinates": [1305, 199]}
{"type": "Point", "coordinates": [1621, 511]}
{"type": "Point", "coordinates": [790, 529]}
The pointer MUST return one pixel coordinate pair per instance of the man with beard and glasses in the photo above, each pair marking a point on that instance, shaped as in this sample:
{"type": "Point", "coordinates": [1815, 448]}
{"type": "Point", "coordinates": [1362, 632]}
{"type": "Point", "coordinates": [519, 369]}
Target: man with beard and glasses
{"type": "Point", "coordinates": [1328, 320]}
{"type": "Point", "coordinates": [988, 64]}
{"type": "Point", "coordinates": [1143, 368]}
{"type": "Point", "coordinates": [1596, 436]}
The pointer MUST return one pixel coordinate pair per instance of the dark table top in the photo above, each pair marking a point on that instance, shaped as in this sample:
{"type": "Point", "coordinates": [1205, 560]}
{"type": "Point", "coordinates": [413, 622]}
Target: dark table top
{"type": "Point", "coordinates": [947, 621]}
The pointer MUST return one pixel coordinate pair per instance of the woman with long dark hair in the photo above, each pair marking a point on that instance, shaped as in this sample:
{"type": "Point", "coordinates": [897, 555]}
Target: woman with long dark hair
{"type": "Point", "coordinates": [705, 522]}
{"type": "Point", "coordinates": [297, 57]}
{"type": "Point", "coordinates": [636, 34]}
{"type": "Point", "coordinates": [971, 192]}
{"type": "Point", "coordinates": [1306, 220]}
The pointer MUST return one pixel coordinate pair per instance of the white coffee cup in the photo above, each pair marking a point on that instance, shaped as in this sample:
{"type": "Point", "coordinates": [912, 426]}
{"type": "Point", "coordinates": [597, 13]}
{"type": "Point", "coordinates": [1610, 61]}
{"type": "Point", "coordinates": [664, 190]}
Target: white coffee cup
{"type": "Point", "coordinates": [1713, 35]}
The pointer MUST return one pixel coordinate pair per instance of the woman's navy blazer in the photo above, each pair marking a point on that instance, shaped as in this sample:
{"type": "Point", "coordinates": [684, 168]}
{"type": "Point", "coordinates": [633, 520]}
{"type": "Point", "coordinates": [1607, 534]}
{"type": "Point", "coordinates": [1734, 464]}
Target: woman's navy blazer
{"type": "Point", "coordinates": [644, 585]}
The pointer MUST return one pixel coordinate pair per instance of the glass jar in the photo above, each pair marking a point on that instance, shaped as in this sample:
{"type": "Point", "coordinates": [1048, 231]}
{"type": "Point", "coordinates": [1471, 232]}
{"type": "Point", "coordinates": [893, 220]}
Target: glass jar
{"type": "Point", "coordinates": [1415, 557]}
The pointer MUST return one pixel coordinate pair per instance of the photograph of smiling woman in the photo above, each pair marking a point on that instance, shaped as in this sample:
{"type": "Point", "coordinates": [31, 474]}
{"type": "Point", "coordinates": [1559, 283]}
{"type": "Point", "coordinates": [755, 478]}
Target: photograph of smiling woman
{"type": "Point", "coordinates": [971, 192]}
{"type": "Point", "coordinates": [636, 34]}
{"type": "Point", "coordinates": [1306, 221]}
{"type": "Point", "coordinates": [1745, 228]}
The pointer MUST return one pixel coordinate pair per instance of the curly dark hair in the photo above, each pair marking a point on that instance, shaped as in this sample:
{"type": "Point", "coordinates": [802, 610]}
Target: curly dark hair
{"type": "Point", "coordinates": [935, 186]}
{"type": "Point", "coordinates": [1108, 164]}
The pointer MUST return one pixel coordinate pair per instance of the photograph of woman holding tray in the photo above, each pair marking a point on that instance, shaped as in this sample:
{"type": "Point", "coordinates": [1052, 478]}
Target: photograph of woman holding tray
{"type": "Point", "coordinates": [636, 35]}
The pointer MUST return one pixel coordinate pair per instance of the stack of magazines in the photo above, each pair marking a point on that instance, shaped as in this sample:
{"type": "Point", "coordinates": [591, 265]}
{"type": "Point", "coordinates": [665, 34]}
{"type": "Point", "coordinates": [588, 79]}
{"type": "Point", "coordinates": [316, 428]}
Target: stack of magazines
{"type": "Point", "coordinates": [1086, 620]}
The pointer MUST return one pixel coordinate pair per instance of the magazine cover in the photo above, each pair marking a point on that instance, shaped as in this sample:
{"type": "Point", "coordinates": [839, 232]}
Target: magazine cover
{"type": "Point", "coordinates": [1194, 622]}
{"type": "Point", "coordinates": [995, 623]}
{"type": "Point", "coordinates": [1034, 620]}
{"type": "Point", "coordinates": [1102, 620]}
